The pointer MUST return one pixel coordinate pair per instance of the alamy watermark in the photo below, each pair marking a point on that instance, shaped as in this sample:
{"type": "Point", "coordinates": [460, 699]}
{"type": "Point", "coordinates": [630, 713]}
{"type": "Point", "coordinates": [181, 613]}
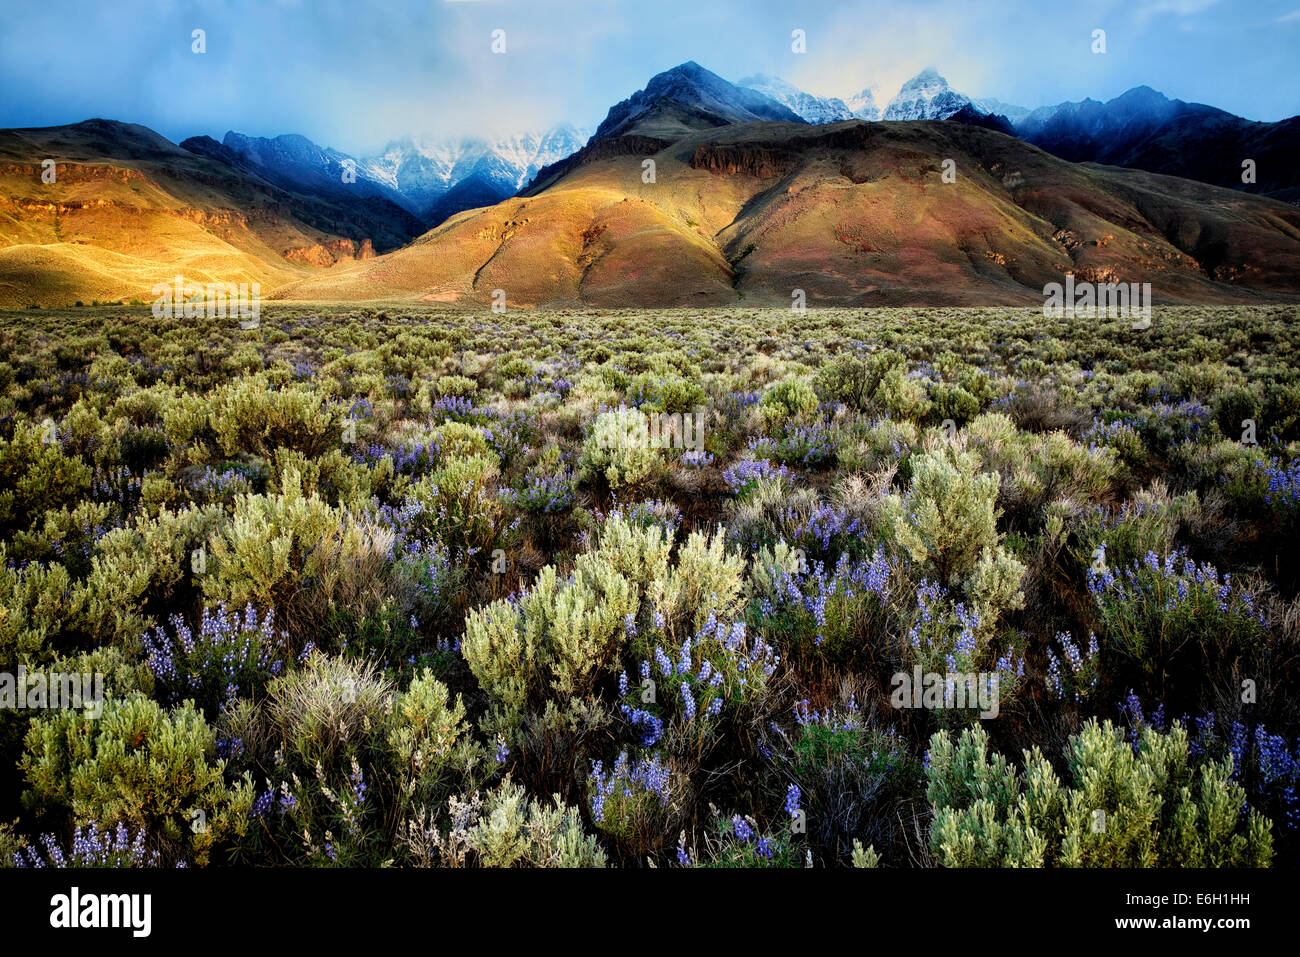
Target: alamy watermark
{"type": "Point", "coordinates": [938, 690]}
{"type": "Point", "coordinates": [214, 300]}
{"type": "Point", "coordinates": [634, 429]}
{"type": "Point", "coordinates": [1090, 300]}
{"type": "Point", "coordinates": [42, 690]}
{"type": "Point", "coordinates": [75, 910]}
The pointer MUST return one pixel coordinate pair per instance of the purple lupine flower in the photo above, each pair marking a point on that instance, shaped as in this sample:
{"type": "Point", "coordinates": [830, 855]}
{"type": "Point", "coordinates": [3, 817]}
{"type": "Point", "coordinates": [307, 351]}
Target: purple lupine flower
{"type": "Point", "coordinates": [688, 702]}
{"type": "Point", "coordinates": [741, 828]}
{"type": "Point", "coordinates": [792, 796]}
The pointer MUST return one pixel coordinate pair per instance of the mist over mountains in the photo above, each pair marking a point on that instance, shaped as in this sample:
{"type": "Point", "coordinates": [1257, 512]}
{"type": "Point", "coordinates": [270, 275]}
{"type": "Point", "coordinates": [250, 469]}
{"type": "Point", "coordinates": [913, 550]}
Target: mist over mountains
{"type": "Point", "coordinates": [430, 179]}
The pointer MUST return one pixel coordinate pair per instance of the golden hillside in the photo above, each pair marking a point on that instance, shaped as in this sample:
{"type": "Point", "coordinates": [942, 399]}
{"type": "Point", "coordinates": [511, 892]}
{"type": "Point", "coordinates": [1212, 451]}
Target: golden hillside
{"type": "Point", "coordinates": [129, 209]}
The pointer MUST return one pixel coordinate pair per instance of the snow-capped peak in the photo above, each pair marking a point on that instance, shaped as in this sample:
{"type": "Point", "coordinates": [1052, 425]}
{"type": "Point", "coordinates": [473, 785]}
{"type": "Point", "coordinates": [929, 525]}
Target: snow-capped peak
{"type": "Point", "coordinates": [423, 170]}
{"type": "Point", "coordinates": [863, 104]}
{"type": "Point", "coordinates": [814, 109]}
{"type": "Point", "coordinates": [925, 96]}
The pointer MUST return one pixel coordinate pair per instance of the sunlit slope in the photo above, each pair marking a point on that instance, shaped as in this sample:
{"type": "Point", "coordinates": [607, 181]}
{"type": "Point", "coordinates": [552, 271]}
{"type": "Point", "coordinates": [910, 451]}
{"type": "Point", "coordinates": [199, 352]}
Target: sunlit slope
{"type": "Point", "coordinates": [851, 213]}
{"type": "Point", "coordinates": [129, 209]}
{"type": "Point", "coordinates": [590, 244]}
{"type": "Point", "coordinates": [68, 273]}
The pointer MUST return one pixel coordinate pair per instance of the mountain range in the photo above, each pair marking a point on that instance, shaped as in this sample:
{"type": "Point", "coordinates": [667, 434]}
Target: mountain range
{"type": "Point", "coordinates": [1147, 130]}
{"type": "Point", "coordinates": [852, 212]}
{"type": "Point", "coordinates": [761, 189]}
{"type": "Point", "coordinates": [926, 96]}
{"type": "Point", "coordinates": [1141, 128]}
{"type": "Point", "coordinates": [435, 179]}
{"type": "Point", "coordinates": [429, 179]}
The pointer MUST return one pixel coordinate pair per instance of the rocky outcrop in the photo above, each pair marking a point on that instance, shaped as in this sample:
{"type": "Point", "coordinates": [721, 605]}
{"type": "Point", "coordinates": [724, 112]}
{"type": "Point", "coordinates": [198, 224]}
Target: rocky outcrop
{"type": "Point", "coordinates": [74, 172]}
{"type": "Point", "coordinates": [749, 159]}
{"type": "Point", "coordinates": [327, 254]}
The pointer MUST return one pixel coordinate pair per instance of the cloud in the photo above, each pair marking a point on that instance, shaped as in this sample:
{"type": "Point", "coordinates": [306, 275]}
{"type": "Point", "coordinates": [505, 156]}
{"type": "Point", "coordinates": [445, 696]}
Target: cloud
{"type": "Point", "coordinates": [1177, 8]}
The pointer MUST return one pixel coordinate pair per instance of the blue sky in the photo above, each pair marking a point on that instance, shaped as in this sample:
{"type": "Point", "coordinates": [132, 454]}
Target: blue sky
{"type": "Point", "coordinates": [355, 75]}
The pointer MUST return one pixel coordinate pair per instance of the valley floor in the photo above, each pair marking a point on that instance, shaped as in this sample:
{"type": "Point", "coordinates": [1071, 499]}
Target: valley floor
{"type": "Point", "coordinates": [725, 587]}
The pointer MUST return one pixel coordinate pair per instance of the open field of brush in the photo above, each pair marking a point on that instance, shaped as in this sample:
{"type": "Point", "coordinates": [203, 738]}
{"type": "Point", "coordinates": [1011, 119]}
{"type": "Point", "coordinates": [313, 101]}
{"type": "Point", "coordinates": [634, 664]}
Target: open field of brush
{"type": "Point", "coordinates": [371, 586]}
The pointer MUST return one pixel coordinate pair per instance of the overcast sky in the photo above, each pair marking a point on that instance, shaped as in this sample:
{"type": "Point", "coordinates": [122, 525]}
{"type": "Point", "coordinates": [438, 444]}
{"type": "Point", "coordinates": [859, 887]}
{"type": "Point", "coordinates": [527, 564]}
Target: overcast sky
{"type": "Point", "coordinates": [355, 75]}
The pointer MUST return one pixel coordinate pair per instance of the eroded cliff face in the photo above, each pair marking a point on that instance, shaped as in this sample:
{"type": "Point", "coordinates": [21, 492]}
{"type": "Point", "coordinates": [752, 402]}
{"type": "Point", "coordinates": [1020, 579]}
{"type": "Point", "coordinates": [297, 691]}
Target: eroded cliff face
{"type": "Point", "coordinates": [327, 254]}
{"type": "Point", "coordinates": [74, 172]}
{"type": "Point", "coordinates": [766, 159]}
{"type": "Point", "coordinates": [764, 162]}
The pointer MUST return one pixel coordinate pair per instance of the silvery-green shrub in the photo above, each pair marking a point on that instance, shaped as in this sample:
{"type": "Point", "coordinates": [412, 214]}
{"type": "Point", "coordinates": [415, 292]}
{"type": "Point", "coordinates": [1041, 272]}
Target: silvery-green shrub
{"type": "Point", "coordinates": [141, 765]}
{"type": "Point", "coordinates": [1148, 806]}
